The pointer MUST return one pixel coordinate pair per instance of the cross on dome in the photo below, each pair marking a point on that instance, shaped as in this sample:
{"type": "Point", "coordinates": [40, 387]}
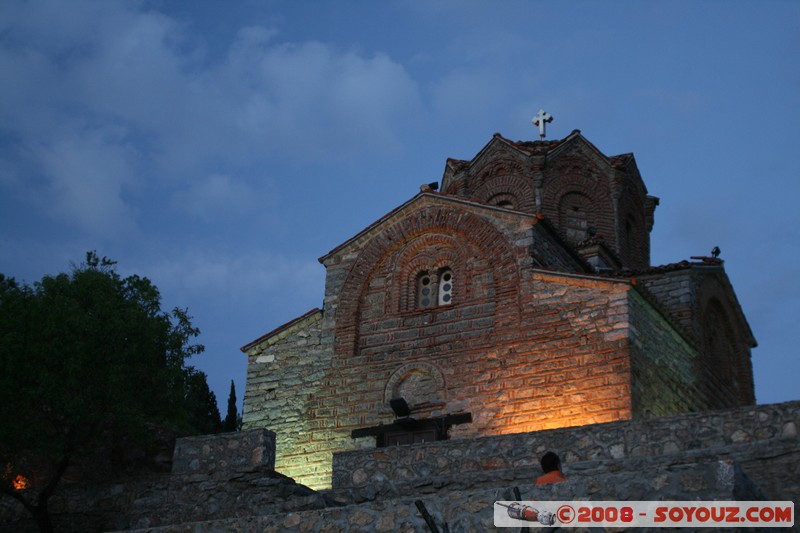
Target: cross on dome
{"type": "Point", "coordinates": [540, 120]}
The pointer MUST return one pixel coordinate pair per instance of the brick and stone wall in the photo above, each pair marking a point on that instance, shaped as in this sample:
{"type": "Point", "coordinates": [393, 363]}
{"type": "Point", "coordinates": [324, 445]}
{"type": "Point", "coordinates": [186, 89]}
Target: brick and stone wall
{"type": "Point", "coordinates": [529, 341]}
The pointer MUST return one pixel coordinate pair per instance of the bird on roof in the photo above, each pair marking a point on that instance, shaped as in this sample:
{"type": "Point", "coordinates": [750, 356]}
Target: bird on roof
{"type": "Point", "coordinates": [715, 252]}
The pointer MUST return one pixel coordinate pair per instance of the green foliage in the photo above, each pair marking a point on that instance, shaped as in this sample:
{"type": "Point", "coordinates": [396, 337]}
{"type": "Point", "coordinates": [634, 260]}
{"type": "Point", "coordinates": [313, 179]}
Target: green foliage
{"type": "Point", "coordinates": [201, 404]}
{"type": "Point", "coordinates": [232, 422]}
{"type": "Point", "coordinates": [88, 357]}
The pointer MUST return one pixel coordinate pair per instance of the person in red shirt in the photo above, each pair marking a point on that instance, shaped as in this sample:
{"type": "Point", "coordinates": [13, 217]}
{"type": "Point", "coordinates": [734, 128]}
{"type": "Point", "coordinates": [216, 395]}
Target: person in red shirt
{"type": "Point", "coordinates": [551, 466]}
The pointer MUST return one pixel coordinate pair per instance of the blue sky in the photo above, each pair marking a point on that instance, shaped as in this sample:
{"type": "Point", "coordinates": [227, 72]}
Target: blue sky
{"type": "Point", "coordinates": [220, 148]}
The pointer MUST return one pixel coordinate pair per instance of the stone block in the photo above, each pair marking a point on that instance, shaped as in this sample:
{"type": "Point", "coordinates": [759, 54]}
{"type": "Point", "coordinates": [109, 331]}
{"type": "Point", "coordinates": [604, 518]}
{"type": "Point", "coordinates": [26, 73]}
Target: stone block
{"type": "Point", "coordinates": [225, 455]}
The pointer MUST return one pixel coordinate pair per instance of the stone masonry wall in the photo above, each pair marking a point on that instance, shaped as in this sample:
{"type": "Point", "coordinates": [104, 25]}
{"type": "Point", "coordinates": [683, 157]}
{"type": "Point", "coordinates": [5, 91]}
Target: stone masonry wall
{"type": "Point", "coordinates": [470, 509]}
{"type": "Point", "coordinates": [283, 375]}
{"type": "Point", "coordinates": [705, 456]}
{"type": "Point", "coordinates": [719, 332]}
{"type": "Point", "coordinates": [664, 362]}
{"type": "Point", "coordinates": [676, 292]}
{"type": "Point", "coordinates": [743, 434]}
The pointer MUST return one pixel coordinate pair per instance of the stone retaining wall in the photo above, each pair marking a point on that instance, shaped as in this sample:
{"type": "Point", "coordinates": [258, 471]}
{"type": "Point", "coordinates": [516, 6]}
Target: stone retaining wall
{"type": "Point", "coordinates": [466, 510]}
{"type": "Point", "coordinates": [614, 440]}
{"type": "Point", "coordinates": [225, 483]}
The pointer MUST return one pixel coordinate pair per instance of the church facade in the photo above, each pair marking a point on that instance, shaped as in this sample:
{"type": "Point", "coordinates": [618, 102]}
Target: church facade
{"type": "Point", "coordinates": [516, 296]}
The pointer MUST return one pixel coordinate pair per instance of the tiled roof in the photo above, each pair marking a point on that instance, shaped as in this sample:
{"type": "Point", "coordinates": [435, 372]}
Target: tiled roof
{"type": "Point", "coordinates": [680, 265]}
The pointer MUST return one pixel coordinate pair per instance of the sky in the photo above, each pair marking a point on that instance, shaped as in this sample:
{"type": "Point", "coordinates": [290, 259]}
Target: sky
{"type": "Point", "coordinates": [221, 148]}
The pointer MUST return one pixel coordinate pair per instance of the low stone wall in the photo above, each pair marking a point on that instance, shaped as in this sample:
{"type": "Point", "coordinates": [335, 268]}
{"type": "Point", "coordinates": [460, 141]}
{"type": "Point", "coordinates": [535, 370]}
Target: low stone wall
{"type": "Point", "coordinates": [224, 455]}
{"type": "Point", "coordinates": [471, 509]}
{"type": "Point", "coordinates": [614, 440]}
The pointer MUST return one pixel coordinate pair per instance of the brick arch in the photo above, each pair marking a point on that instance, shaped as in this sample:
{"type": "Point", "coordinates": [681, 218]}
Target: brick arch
{"type": "Point", "coordinates": [634, 249]}
{"type": "Point", "coordinates": [427, 252]}
{"type": "Point", "coordinates": [575, 228]}
{"type": "Point", "coordinates": [465, 227]}
{"type": "Point", "coordinates": [514, 188]}
{"type": "Point", "coordinates": [726, 361]}
{"type": "Point", "coordinates": [595, 190]}
{"type": "Point", "coordinates": [426, 377]}
{"type": "Point", "coordinates": [634, 241]}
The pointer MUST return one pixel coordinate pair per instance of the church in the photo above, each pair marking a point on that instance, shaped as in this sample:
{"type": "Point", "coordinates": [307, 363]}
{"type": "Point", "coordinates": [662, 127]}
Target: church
{"type": "Point", "coordinates": [513, 296]}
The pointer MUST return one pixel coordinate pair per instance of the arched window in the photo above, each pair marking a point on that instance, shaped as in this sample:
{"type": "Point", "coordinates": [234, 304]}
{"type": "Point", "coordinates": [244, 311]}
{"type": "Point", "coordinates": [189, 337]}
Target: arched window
{"type": "Point", "coordinates": [445, 287]}
{"type": "Point", "coordinates": [434, 289]}
{"type": "Point", "coordinates": [425, 287]}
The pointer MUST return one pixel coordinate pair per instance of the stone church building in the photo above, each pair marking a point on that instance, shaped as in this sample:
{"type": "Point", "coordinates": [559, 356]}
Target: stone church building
{"type": "Point", "coordinates": [515, 296]}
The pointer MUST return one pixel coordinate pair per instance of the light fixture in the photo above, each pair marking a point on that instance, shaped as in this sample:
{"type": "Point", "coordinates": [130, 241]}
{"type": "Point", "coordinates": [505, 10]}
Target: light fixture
{"type": "Point", "coordinates": [400, 407]}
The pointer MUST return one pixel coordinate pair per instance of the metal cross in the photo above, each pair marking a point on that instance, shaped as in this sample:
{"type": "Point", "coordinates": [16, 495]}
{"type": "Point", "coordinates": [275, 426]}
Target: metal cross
{"type": "Point", "coordinates": [540, 120]}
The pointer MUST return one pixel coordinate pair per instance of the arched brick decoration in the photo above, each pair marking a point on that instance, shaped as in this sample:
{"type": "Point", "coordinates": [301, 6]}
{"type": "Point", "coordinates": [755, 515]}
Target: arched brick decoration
{"type": "Point", "coordinates": [576, 214]}
{"type": "Point", "coordinates": [474, 235]}
{"type": "Point", "coordinates": [515, 189]}
{"type": "Point", "coordinates": [720, 354]}
{"type": "Point", "coordinates": [429, 252]}
{"type": "Point", "coordinates": [634, 234]}
{"type": "Point", "coordinates": [725, 351]}
{"type": "Point", "coordinates": [419, 383]}
{"type": "Point", "coordinates": [596, 189]}
{"type": "Point", "coordinates": [635, 241]}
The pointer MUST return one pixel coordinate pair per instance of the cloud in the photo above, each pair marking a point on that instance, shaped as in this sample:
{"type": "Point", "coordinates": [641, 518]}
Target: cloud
{"type": "Point", "coordinates": [107, 96]}
{"type": "Point", "coordinates": [214, 196]}
{"type": "Point", "coordinates": [206, 275]}
{"type": "Point", "coordinates": [79, 180]}
{"type": "Point", "coordinates": [310, 98]}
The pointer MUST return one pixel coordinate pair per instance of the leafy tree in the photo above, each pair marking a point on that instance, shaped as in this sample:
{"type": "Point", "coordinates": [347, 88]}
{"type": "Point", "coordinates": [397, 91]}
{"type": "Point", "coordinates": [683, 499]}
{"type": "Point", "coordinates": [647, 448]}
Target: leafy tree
{"type": "Point", "coordinates": [87, 360]}
{"type": "Point", "coordinates": [232, 422]}
{"type": "Point", "coordinates": [201, 404]}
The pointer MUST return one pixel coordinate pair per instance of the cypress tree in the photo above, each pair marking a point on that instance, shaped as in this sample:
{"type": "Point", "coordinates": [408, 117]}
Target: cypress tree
{"type": "Point", "coordinates": [232, 421]}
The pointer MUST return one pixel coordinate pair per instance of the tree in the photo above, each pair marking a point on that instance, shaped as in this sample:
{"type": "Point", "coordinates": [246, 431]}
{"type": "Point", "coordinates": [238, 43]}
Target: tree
{"type": "Point", "coordinates": [232, 422]}
{"type": "Point", "coordinates": [87, 360]}
{"type": "Point", "coordinates": [201, 404]}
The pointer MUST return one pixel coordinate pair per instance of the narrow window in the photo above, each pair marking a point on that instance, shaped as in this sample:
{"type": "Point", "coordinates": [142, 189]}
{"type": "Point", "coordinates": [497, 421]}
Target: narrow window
{"type": "Point", "coordinates": [425, 294]}
{"type": "Point", "coordinates": [445, 287]}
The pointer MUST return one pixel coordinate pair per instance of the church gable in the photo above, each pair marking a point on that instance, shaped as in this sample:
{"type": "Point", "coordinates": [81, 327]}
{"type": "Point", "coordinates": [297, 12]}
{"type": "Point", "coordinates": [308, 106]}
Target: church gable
{"type": "Point", "coordinates": [432, 256]}
{"type": "Point", "coordinates": [500, 174]}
